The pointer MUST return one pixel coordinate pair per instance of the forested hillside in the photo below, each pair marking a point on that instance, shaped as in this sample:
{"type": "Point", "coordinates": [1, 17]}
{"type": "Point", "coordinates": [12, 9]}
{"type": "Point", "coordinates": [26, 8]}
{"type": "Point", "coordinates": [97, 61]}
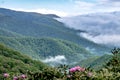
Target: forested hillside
{"type": "Point", "coordinates": [95, 63]}
{"type": "Point", "coordinates": [7, 33]}
{"type": "Point", "coordinates": [41, 48]}
{"type": "Point", "coordinates": [14, 62]}
{"type": "Point", "coordinates": [39, 25]}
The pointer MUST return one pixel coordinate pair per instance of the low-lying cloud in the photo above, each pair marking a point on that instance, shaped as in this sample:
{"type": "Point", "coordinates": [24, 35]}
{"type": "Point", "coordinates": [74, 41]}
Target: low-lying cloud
{"type": "Point", "coordinates": [102, 28]}
{"type": "Point", "coordinates": [59, 59]}
{"type": "Point", "coordinates": [112, 40]}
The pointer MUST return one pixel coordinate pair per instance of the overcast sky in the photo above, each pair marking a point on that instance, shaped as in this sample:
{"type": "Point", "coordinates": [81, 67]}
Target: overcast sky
{"type": "Point", "coordinates": [62, 7]}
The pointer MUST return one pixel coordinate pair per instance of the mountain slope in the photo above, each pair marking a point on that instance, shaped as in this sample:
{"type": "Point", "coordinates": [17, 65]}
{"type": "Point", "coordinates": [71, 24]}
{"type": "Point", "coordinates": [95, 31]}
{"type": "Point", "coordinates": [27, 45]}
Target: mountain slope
{"type": "Point", "coordinates": [95, 63]}
{"type": "Point", "coordinates": [39, 48]}
{"type": "Point", "coordinates": [31, 24]}
{"type": "Point", "coordinates": [7, 33]}
{"type": "Point", "coordinates": [14, 62]}
{"type": "Point", "coordinates": [39, 25]}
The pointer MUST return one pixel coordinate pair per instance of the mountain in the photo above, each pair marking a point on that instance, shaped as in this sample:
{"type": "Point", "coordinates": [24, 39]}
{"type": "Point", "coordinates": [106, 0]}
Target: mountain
{"type": "Point", "coordinates": [7, 33]}
{"type": "Point", "coordinates": [12, 61]}
{"type": "Point", "coordinates": [40, 25]}
{"type": "Point", "coordinates": [42, 48]}
{"type": "Point", "coordinates": [95, 63]}
{"type": "Point", "coordinates": [101, 28]}
{"type": "Point", "coordinates": [32, 24]}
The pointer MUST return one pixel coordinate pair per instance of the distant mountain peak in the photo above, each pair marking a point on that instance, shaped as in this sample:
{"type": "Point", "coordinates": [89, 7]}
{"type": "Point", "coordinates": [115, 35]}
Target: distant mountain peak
{"type": "Point", "coordinates": [48, 15]}
{"type": "Point", "coordinates": [52, 15]}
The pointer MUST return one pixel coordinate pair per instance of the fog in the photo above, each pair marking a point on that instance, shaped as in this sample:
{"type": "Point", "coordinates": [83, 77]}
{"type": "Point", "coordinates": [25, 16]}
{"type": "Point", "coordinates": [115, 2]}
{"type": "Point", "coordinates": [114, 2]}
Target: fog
{"type": "Point", "coordinates": [59, 59]}
{"type": "Point", "coordinates": [102, 28]}
{"type": "Point", "coordinates": [112, 40]}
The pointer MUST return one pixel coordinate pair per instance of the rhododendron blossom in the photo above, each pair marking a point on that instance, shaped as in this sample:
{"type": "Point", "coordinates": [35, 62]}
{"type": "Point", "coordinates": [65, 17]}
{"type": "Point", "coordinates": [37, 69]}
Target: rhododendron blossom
{"type": "Point", "coordinates": [77, 68]}
{"type": "Point", "coordinates": [6, 75]}
{"type": "Point", "coordinates": [23, 76]}
{"type": "Point", "coordinates": [15, 78]}
{"type": "Point", "coordinates": [72, 70]}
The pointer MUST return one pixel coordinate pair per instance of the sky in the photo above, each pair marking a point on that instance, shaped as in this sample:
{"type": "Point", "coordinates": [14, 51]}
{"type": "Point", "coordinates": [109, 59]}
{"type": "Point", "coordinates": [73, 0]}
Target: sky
{"type": "Point", "coordinates": [62, 7]}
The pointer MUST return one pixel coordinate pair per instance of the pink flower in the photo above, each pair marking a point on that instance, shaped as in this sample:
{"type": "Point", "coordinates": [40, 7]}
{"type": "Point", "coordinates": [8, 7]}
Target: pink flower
{"type": "Point", "coordinates": [89, 74]}
{"type": "Point", "coordinates": [15, 78]}
{"type": "Point", "coordinates": [72, 69]}
{"type": "Point", "coordinates": [6, 75]}
{"type": "Point", "coordinates": [81, 69]}
{"type": "Point", "coordinates": [69, 76]}
{"type": "Point", "coordinates": [23, 76]}
{"type": "Point", "coordinates": [78, 68]}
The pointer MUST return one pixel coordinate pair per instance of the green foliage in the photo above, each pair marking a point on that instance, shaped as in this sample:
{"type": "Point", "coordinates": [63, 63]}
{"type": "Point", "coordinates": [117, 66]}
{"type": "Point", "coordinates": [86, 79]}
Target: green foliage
{"type": "Point", "coordinates": [114, 63]}
{"type": "Point", "coordinates": [95, 62]}
{"type": "Point", "coordinates": [46, 74]}
{"type": "Point", "coordinates": [110, 72]}
{"type": "Point", "coordinates": [38, 48]}
{"type": "Point", "coordinates": [100, 62]}
{"type": "Point", "coordinates": [14, 62]}
{"type": "Point", "coordinates": [86, 62]}
{"type": "Point", "coordinates": [12, 65]}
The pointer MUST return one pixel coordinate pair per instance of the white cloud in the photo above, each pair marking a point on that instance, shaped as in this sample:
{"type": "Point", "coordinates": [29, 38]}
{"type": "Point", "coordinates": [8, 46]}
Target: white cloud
{"type": "Point", "coordinates": [102, 28]}
{"type": "Point", "coordinates": [47, 11]}
{"type": "Point", "coordinates": [113, 40]}
{"type": "Point", "coordinates": [85, 7]}
{"type": "Point", "coordinates": [56, 59]}
{"type": "Point", "coordinates": [43, 11]}
{"type": "Point", "coordinates": [110, 0]}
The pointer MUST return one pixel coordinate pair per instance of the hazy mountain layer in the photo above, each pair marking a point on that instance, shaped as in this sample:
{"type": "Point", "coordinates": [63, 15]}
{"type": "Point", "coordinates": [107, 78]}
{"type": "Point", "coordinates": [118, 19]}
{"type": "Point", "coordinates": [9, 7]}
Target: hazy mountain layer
{"type": "Point", "coordinates": [39, 25]}
{"type": "Point", "coordinates": [102, 28]}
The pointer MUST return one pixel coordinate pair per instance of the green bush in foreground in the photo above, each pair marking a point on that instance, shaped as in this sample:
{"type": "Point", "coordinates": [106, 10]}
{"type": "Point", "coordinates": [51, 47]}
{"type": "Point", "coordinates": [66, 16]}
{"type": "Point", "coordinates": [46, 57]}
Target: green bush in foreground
{"type": "Point", "coordinates": [111, 71]}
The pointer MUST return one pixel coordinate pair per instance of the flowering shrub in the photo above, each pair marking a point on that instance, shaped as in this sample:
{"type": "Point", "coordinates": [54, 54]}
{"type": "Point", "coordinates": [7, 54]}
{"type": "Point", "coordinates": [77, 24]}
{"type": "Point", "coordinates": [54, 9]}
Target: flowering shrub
{"type": "Point", "coordinates": [78, 73]}
{"type": "Point", "coordinates": [110, 72]}
{"type": "Point", "coordinates": [6, 76]}
{"type": "Point", "coordinates": [77, 68]}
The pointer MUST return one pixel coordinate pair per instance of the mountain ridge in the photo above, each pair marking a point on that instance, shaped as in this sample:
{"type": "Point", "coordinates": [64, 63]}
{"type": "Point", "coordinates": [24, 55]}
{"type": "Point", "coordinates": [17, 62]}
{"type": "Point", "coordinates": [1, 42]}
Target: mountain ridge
{"type": "Point", "coordinates": [41, 48]}
{"type": "Point", "coordinates": [39, 25]}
